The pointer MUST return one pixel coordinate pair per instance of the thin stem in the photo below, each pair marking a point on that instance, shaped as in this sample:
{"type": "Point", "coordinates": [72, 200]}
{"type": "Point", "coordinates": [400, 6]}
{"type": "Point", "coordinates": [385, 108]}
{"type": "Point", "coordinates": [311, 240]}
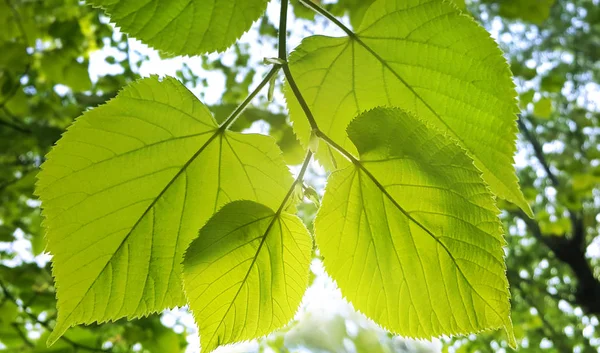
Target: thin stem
{"type": "Point", "coordinates": [299, 97]}
{"type": "Point", "coordinates": [285, 200]}
{"type": "Point", "coordinates": [299, 179]}
{"type": "Point", "coordinates": [339, 148]}
{"type": "Point", "coordinates": [283, 30]}
{"type": "Point", "coordinates": [268, 229]}
{"type": "Point", "coordinates": [318, 9]}
{"type": "Point", "coordinates": [311, 118]}
{"type": "Point", "coordinates": [236, 113]}
{"type": "Point", "coordinates": [539, 152]}
{"type": "Point", "coordinates": [316, 131]}
{"type": "Point", "coordinates": [303, 104]}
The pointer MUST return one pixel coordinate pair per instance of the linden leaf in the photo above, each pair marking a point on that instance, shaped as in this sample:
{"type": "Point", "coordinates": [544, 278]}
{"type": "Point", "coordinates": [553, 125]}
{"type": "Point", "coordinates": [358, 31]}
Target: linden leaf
{"type": "Point", "coordinates": [410, 232]}
{"type": "Point", "coordinates": [184, 27]}
{"type": "Point", "coordinates": [423, 56]}
{"type": "Point", "coordinates": [127, 188]}
{"type": "Point", "coordinates": [246, 273]}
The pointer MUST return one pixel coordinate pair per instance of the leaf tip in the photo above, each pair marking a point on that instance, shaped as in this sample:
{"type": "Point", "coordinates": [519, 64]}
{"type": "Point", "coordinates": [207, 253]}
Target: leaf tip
{"type": "Point", "coordinates": [57, 333]}
{"type": "Point", "coordinates": [523, 205]}
{"type": "Point", "coordinates": [510, 334]}
{"type": "Point", "coordinates": [528, 210]}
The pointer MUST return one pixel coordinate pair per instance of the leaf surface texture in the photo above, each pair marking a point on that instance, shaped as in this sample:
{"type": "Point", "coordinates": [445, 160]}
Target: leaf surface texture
{"type": "Point", "coordinates": [127, 188]}
{"type": "Point", "coordinates": [246, 273]}
{"type": "Point", "coordinates": [410, 232]}
{"type": "Point", "coordinates": [423, 56]}
{"type": "Point", "coordinates": [184, 27]}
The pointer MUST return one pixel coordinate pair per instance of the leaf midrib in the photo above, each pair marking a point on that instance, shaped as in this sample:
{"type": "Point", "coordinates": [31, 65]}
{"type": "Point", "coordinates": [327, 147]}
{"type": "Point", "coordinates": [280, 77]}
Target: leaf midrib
{"type": "Point", "coordinates": [276, 216]}
{"type": "Point", "coordinates": [216, 133]}
{"type": "Point", "coordinates": [124, 154]}
{"type": "Point", "coordinates": [412, 219]}
{"type": "Point", "coordinates": [353, 36]}
{"type": "Point", "coordinates": [243, 282]}
{"type": "Point", "coordinates": [408, 86]}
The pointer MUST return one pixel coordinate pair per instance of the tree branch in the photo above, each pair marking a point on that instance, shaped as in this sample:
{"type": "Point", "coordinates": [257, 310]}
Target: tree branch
{"type": "Point", "coordinates": [570, 251]}
{"type": "Point", "coordinates": [299, 98]}
{"type": "Point", "coordinates": [538, 150]}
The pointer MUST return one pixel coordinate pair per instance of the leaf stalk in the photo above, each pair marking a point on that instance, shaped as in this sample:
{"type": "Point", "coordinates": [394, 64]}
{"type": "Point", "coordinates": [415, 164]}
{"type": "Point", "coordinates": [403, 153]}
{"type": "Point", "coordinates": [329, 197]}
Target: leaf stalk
{"type": "Point", "coordinates": [240, 109]}
{"type": "Point", "coordinates": [283, 30]}
{"type": "Point", "coordinates": [299, 97]}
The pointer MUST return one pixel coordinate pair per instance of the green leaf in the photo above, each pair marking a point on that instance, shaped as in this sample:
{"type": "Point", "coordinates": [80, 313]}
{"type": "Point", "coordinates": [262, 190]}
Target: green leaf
{"type": "Point", "coordinates": [279, 128]}
{"type": "Point", "coordinates": [127, 188]}
{"type": "Point", "coordinates": [531, 11]}
{"type": "Point", "coordinates": [411, 234]}
{"type": "Point", "coordinates": [461, 4]}
{"type": "Point", "coordinates": [9, 312]}
{"type": "Point", "coordinates": [6, 233]}
{"type": "Point", "coordinates": [59, 66]}
{"type": "Point", "coordinates": [423, 56]}
{"type": "Point", "coordinates": [543, 108]}
{"type": "Point", "coordinates": [184, 27]}
{"type": "Point", "coordinates": [246, 273]}
{"type": "Point", "coordinates": [162, 339]}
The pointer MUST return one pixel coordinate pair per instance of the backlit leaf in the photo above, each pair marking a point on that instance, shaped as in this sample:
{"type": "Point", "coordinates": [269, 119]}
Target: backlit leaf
{"type": "Point", "coordinates": [411, 234]}
{"type": "Point", "coordinates": [184, 27]}
{"type": "Point", "coordinates": [423, 56]}
{"type": "Point", "coordinates": [127, 188]}
{"type": "Point", "coordinates": [246, 273]}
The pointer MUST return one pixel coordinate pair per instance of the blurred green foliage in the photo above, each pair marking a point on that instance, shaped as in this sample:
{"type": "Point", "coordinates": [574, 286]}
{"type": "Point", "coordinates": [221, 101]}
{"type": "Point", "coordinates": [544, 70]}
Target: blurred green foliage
{"type": "Point", "coordinates": [553, 47]}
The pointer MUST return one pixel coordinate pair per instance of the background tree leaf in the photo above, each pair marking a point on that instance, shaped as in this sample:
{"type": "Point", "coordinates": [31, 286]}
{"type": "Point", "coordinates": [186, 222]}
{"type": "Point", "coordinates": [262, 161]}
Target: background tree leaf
{"type": "Point", "coordinates": [246, 273]}
{"type": "Point", "coordinates": [127, 188]}
{"type": "Point", "coordinates": [531, 11]}
{"type": "Point", "coordinates": [411, 233]}
{"type": "Point", "coordinates": [184, 27]}
{"type": "Point", "coordinates": [423, 56]}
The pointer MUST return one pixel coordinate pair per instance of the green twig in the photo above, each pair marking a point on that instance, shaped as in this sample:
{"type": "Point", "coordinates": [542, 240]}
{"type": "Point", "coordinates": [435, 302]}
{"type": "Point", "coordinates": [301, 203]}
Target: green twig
{"type": "Point", "coordinates": [284, 202]}
{"type": "Point", "coordinates": [283, 30]}
{"type": "Point", "coordinates": [292, 83]}
{"type": "Point", "coordinates": [240, 109]}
